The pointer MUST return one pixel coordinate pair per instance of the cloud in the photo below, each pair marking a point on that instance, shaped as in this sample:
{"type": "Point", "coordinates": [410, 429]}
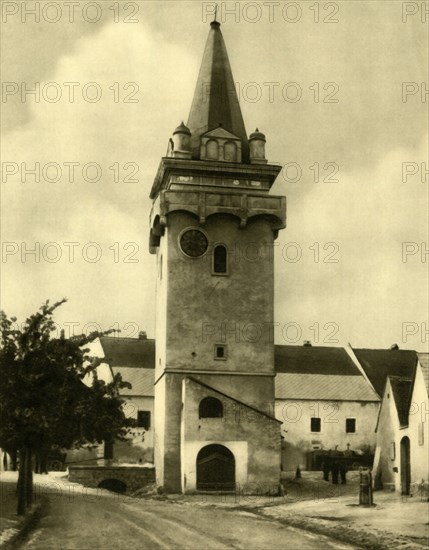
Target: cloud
{"type": "Point", "coordinates": [103, 212]}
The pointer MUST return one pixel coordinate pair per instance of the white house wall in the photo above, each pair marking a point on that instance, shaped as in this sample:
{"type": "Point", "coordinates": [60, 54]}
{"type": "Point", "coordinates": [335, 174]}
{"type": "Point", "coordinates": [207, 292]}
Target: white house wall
{"type": "Point", "coordinates": [418, 431]}
{"type": "Point", "coordinates": [139, 445]}
{"type": "Point", "coordinates": [299, 439]}
{"type": "Point", "coordinates": [387, 459]}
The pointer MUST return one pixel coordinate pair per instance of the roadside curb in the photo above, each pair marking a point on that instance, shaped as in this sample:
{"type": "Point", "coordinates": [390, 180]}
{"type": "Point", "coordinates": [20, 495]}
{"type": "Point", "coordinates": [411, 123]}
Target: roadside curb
{"type": "Point", "coordinates": [29, 523]}
{"type": "Point", "coordinates": [339, 532]}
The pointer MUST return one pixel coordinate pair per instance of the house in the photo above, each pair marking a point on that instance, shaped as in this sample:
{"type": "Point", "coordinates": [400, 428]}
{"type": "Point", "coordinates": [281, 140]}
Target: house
{"type": "Point", "coordinates": [134, 360]}
{"type": "Point", "coordinates": [402, 453]}
{"type": "Point", "coordinates": [324, 402]}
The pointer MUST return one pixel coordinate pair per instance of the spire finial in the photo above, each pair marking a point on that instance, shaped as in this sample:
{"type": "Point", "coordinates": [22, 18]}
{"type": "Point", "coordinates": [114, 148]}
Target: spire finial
{"type": "Point", "coordinates": [215, 23]}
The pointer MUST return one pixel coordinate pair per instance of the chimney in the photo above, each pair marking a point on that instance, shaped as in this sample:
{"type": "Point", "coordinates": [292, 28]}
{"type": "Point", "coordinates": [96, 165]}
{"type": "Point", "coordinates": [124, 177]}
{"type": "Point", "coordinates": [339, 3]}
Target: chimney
{"type": "Point", "coordinates": [142, 335]}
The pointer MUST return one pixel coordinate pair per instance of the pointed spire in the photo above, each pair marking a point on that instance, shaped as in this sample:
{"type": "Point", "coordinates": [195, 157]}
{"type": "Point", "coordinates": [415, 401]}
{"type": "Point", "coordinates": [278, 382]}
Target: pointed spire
{"type": "Point", "coordinates": [215, 99]}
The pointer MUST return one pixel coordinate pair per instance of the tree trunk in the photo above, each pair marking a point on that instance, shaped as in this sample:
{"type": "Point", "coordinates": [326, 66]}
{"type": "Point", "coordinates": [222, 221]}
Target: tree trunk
{"type": "Point", "coordinates": [14, 457]}
{"type": "Point", "coordinates": [29, 478]}
{"type": "Point", "coordinates": [21, 486]}
{"type": "Point", "coordinates": [25, 481]}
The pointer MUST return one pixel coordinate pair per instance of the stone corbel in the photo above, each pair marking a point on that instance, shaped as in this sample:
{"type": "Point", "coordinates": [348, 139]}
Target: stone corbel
{"type": "Point", "coordinates": [244, 211]}
{"type": "Point", "coordinates": [202, 208]}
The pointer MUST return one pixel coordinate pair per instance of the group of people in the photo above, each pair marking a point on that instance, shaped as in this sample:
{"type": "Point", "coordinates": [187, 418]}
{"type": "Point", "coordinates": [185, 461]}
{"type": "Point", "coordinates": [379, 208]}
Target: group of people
{"type": "Point", "coordinates": [335, 466]}
{"type": "Point", "coordinates": [335, 463]}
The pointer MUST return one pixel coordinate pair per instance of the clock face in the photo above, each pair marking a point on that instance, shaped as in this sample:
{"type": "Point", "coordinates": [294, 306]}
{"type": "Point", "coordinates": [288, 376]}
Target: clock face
{"type": "Point", "coordinates": [194, 243]}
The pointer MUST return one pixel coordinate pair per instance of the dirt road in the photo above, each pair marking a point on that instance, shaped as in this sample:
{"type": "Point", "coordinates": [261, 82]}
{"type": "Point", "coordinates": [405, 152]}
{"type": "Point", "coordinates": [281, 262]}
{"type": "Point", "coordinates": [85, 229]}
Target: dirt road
{"type": "Point", "coordinates": [82, 519]}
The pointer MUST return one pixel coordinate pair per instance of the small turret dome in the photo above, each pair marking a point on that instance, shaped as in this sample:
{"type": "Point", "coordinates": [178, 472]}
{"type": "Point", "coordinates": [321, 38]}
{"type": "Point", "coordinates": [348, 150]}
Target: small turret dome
{"type": "Point", "coordinates": [257, 147]}
{"type": "Point", "coordinates": [182, 142]}
{"type": "Point", "coordinates": [182, 129]}
{"type": "Point", "coordinates": [257, 135]}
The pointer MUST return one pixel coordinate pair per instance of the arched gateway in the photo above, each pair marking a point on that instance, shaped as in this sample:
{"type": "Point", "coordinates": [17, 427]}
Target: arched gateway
{"type": "Point", "coordinates": [215, 469]}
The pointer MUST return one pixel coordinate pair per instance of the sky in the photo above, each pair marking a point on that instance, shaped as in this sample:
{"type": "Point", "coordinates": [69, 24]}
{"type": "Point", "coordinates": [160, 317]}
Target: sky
{"type": "Point", "coordinates": [337, 87]}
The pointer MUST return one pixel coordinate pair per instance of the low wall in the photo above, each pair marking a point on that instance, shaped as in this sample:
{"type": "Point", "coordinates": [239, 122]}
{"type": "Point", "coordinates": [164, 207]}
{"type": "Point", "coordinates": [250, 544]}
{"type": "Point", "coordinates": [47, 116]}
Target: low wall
{"type": "Point", "coordinates": [134, 477]}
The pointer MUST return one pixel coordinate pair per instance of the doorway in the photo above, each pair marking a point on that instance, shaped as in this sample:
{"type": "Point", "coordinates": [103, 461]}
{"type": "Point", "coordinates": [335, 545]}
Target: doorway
{"type": "Point", "coordinates": [215, 469]}
{"type": "Point", "coordinates": [405, 466]}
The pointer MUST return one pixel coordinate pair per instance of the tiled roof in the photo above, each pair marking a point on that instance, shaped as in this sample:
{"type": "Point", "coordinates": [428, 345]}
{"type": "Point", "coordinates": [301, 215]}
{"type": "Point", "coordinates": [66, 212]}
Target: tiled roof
{"type": "Point", "coordinates": [424, 362]}
{"type": "Point", "coordinates": [401, 389]}
{"type": "Point", "coordinates": [378, 364]}
{"type": "Point", "coordinates": [314, 360]}
{"type": "Point", "coordinates": [141, 380]}
{"type": "Point", "coordinates": [323, 387]}
{"type": "Point", "coordinates": [129, 352]}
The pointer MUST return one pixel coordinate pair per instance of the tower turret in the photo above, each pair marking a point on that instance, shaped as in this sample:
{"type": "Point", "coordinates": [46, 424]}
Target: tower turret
{"type": "Point", "coordinates": [257, 147]}
{"type": "Point", "coordinates": [182, 142]}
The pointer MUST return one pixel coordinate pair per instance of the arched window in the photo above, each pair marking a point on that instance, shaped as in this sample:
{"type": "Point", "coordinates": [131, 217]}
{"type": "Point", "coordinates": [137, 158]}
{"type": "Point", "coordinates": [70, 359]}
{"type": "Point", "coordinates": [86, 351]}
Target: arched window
{"type": "Point", "coordinates": [230, 151]}
{"type": "Point", "coordinates": [212, 150]}
{"type": "Point", "coordinates": [220, 259]}
{"type": "Point", "coordinates": [210, 407]}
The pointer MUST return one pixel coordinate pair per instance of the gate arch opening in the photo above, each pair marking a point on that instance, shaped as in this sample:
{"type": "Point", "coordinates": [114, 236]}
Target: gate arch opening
{"type": "Point", "coordinates": [215, 469]}
{"type": "Point", "coordinates": [115, 485]}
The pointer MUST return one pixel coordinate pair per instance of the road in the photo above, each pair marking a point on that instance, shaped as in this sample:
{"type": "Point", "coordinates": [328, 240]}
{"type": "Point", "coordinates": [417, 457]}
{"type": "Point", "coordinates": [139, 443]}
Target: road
{"type": "Point", "coordinates": [85, 520]}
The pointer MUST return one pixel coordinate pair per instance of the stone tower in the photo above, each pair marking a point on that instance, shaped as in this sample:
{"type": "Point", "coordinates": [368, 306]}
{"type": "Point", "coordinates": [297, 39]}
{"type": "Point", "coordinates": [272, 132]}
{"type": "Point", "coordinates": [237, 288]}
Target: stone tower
{"type": "Point", "coordinates": [213, 226]}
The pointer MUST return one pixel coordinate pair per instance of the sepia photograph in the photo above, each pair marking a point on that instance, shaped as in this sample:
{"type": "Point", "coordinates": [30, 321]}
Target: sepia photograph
{"type": "Point", "coordinates": [214, 275]}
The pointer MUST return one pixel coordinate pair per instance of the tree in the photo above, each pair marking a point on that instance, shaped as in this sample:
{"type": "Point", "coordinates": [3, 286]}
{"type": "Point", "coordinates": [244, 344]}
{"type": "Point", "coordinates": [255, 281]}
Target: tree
{"type": "Point", "coordinates": [43, 399]}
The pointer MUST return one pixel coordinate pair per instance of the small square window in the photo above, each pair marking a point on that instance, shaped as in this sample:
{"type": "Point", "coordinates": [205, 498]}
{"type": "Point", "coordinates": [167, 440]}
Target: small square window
{"type": "Point", "coordinates": [220, 352]}
{"type": "Point", "coordinates": [316, 425]}
{"type": "Point", "coordinates": [350, 425]}
{"type": "Point", "coordinates": [143, 419]}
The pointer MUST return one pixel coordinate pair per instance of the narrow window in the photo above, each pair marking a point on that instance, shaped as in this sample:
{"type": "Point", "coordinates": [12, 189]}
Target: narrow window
{"type": "Point", "coordinates": [210, 407]}
{"type": "Point", "coordinates": [143, 419]}
{"type": "Point", "coordinates": [220, 352]}
{"type": "Point", "coordinates": [315, 425]}
{"type": "Point", "coordinates": [220, 260]}
{"type": "Point", "coordinates": [350, 425]}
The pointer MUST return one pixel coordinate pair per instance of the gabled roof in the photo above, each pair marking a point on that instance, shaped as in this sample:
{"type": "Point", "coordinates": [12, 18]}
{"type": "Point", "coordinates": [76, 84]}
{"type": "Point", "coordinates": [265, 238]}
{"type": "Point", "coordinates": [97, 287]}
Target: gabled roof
{"type": "Point", "coordinates": [129, 352]}
{"type": "Point", "coordinates": [134, 359]}
{"type": "Point", "coordinates": [401, 389]}
{"type": "Point", "coordinates": [424, 363]}
{"type": "Point", "coordinates": [220, 133]}
{"type": "Point", "coordinates": [232, 398]}
{"type": "Point", "coordinates": [378, 364]}
{"type": "Point", "coordinates": [314, 360]}
{"type": "Point", "coordinates": [215, 98]}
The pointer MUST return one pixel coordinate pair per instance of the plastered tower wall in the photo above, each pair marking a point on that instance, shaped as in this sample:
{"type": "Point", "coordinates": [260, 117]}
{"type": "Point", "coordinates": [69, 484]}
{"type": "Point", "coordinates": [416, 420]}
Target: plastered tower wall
{"type": "Point", "coordinates": [198, 310]}
{"type": "Point", "coordinates": [235, 310]}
